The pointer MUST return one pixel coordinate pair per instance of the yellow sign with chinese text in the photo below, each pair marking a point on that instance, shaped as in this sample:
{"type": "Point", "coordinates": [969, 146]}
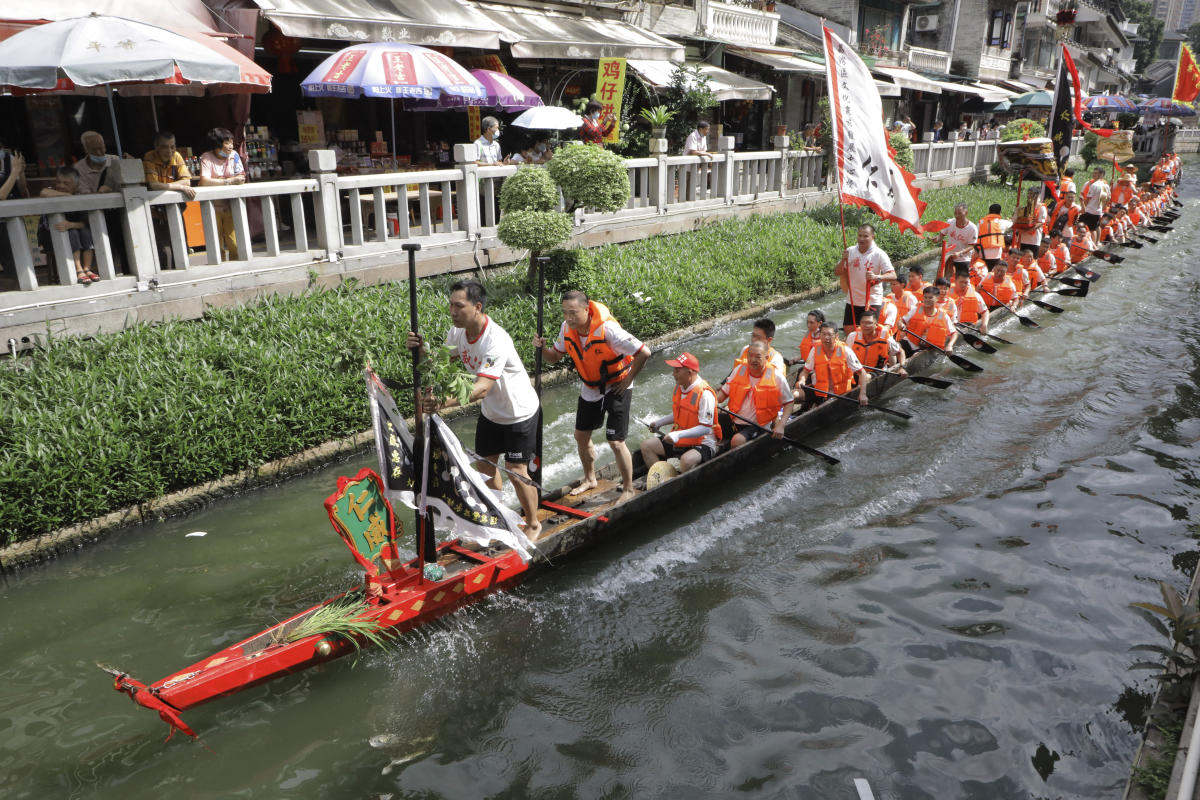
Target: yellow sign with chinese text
{"type": "Point", "coordinates": [610, 90]}
{"type": "Point", "coordinates": [474, 130]}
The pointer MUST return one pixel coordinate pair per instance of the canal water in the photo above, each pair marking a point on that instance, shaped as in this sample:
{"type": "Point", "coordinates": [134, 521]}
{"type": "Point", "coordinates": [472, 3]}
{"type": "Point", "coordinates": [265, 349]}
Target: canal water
{"type": "Point", "coordinates": [946, 615]}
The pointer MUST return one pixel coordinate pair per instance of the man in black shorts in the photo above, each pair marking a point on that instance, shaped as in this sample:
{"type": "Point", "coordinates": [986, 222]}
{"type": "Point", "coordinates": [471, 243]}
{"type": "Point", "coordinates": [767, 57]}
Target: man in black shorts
{"type": "Point", "coordinates": [607, 358]}
{"type": "Point", "coordinates": [693, 439]}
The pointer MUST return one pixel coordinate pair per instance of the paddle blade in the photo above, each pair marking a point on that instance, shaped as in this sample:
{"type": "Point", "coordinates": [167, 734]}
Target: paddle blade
{"type": "Point", "coordinates": [969, 366]}
{"type": "Point", "coordinates": [1053, 309]}
{"type": "Point", "coordinates": [935, 382]}
{"type": "Point", "coordinates": [1087, 273]}
{"type": "Point", "coordinates": [977, 343]}
{"type": "Point", "coordinates": [1026, 321]}
{"type": "Point", "coordinates": [1071, 292]}
{"type": "Point", "coordinates": [1149, 239]}
{"type": "Point", "coordinates": [1076, 282]}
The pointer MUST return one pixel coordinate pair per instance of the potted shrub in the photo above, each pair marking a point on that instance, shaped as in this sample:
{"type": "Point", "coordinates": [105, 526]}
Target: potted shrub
{"type": "Point", "coordinates": [658, 117]}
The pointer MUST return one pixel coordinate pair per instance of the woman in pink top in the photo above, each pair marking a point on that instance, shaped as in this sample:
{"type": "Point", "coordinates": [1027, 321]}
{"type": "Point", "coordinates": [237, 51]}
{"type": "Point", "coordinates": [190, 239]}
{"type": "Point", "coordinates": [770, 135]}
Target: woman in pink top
{"type": "Point", "coordinates": [222, 166]}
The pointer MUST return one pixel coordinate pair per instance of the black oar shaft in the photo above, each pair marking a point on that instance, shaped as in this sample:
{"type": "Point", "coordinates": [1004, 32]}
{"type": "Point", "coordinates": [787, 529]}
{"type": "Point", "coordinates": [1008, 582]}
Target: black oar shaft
{"type": "Point", "coordinates": [793, 442]}
{"type": "Point", "coordinates": [855, 400]}
{"type": "Point", "coordinates": [966, 364]}
{"type": "Point", "coordinates": [921, 379]}
{"type": "Point", "coordinates": [426, 547]}
{"type": "Point", "coordinates": [1024, 320]}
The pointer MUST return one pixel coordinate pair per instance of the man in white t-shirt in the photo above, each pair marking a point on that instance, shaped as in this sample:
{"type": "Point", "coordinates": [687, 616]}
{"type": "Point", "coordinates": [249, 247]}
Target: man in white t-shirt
{"type": "Point", "coordinates": [489, 142]}
{"type": "Point", "coordinates": [863, 271]}
{"type": "Point", "coordinates": [1094, 199]}
{"type": "Point", "coordinates": [697, 141]}
{"type": "Point", "coordinates": [508, 414]}
{"type": "Point", "coordinates": [962, 236]}
{"type": "Point", "coordinates": [607, 358]}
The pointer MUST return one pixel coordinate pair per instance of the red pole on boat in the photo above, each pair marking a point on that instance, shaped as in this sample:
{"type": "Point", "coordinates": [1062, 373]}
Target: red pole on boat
{"type": "Point", "coordinates": [537, 368]}
{"type": "Point", "coordinates": [425, 544]}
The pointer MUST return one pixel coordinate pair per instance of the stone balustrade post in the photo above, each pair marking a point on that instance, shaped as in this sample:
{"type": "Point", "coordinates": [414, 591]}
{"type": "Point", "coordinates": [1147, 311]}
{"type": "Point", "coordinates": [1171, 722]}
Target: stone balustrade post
{"type": "Point", "coordinates": [139, 227]}
{"type": "Point", "coordinates": [470, 215]}
{"type": "Point", "coordinates": [727, 169]}
{"type": "Point", "coordinates": [660, 173]}
{"type": "Point", "coordinates": [327, 206]}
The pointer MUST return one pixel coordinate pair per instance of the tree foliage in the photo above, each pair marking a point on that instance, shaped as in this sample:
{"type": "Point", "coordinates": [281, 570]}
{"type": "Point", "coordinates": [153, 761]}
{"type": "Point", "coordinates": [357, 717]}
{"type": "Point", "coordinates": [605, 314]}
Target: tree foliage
{"type": "Point", "coordinates": [590, 177]}
{"type": "Point", "coordinates": [903, 149]}
{"type": "Point", "coordinates": [690, 95]}
{"type": "Point", "coordinates": [535, 230]}
{"type": "Point", "coordinates": [530, 189]}
{"type": "Point", "coordinates": [1020, 128]}
{"type": "Point", "coordinates": [1150, 31]}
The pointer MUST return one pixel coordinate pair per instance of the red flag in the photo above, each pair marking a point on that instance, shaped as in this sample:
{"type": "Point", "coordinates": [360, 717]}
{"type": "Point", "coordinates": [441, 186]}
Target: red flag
{"type": "Point", "coordinates": [1052, 189]}
{"type": "Point", "coordinates": [936, 226]}
{"type": "Point", "coordinates": [1187, 77]}
{"type": "Point", "coordinates": [1105, 132]}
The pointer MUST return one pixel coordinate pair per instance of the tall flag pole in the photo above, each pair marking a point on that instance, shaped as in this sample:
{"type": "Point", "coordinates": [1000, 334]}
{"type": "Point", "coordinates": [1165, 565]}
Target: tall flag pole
{"type": "Point", "coordinates": [1070, 65]}
{"type": "Point", "coordinates": [1187, 77]}
{"type": "Point", "coordinates": [867, 175]}
{"type": "Point", "coordinates": [1062, 121]}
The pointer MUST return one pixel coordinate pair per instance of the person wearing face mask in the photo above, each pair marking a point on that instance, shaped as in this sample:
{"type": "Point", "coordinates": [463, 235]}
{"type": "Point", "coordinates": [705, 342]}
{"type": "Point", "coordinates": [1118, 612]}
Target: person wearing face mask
{"type": "Point", "coordinates": [97, 169]}
{"type": "Point", "coordinates": [541, 150]}
{"type": "Point", "coordinates": [594, 127]}
{"type": "Point", "coordinates": [222, 166]}
{"type": "Point", "coordinates": [489, 142]}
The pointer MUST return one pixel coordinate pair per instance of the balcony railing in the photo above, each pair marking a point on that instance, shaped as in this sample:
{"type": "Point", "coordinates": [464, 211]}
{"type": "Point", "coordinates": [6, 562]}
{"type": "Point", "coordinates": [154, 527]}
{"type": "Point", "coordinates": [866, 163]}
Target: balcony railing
{"type": "Point", "coordinates": [924, 58]}
{"type": "Point", "coordinates": [739, 24]}
{"type": "Point", "coordinates": [992, 65]}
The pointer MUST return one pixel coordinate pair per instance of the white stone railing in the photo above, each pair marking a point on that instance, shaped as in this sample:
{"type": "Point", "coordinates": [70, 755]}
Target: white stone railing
{"type": "Point", "coordinates": [738, 24]}
{"type": "Point", "coordinates": [924, 58]}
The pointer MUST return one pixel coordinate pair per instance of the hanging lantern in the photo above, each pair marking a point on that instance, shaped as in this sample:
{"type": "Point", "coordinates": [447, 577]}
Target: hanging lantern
{"type": "Point", "coordinates": [282, 47]}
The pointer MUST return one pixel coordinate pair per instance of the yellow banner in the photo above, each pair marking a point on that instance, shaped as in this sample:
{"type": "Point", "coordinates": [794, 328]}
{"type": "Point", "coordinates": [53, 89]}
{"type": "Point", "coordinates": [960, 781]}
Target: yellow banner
{"type": "Point", "coordinates": [610, 90]}
{"type": "Point", "coordinates": [1118, 147]}
{"type": "Point", "coordinates": [474, 131]}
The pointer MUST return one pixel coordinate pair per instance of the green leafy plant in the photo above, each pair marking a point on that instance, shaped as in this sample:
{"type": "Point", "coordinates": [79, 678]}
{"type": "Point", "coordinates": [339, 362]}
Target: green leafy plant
{"type": "Point", "coordinates": [535, 230]}
{"type": "Point", "coordinates": [690, 95]}
{"type": "Point", "coordinates": [1088, 151]}
{"type": "Point", "coordinates": [1155, 776]}
{"type": "Point", "coordinates": [1179, 660]}
{"type": "Point", "coordinates": [903, 149]}
{"type": "Point", "coordinates": [590, 177]}
{"type": "Point", "coordinates": [342, 619]}
{"type": "Point", "coordinates": [1021, 128]}
{"type": "Point", "coordinates": [657, 116]}
{"type": "Point", "coordinates": [530, 189]}
{"type": "Point", "coordinates": [444, 375]}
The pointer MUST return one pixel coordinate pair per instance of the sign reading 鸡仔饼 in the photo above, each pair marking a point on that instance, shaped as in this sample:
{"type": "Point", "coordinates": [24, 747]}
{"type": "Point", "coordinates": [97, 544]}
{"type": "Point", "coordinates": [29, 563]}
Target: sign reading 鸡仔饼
{"type": "Point", "coordinates": [610, 90]}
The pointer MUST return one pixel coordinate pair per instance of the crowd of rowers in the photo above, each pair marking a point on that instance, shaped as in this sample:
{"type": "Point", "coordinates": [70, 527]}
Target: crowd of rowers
{"type": "Point", "coordinates": [883, 329]}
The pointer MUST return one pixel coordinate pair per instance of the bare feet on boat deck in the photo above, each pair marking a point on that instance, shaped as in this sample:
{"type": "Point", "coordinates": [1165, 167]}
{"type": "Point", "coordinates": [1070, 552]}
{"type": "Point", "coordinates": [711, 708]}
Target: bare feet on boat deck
{"type": "Point", "coordinates": [586, 486]}
{"type": "Point", "coordinates": [533, 532]}
{"type": "Point", "coordinates": [625, 497]}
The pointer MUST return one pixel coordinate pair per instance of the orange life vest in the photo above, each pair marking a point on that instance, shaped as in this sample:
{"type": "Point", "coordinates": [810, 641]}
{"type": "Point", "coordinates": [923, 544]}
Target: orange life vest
{"type": "Point", "coordinates": [1081, 251]}
{"type": "Point", "coordinates": [766, 393]}
{"type": "Point", "coordinates": [598, 365]}
{"type": "Point", "coordinates": [948, 305]}
{"type": "Point", "coordinates": [807, 344]}
{"type": "Point", "coordinates": [873, 353]}
{"type": "Point", "coordinates": [1004, 293]}
{"type": "Point", "coordinates": [1017, 276]}
{"type": "Point", "coordinates": [936, 328]}
{"type": "Point", "coordinates": [685, 408]}
{"type": "Point", "coordinates": [1063, 256]}
{"type": "Point", "coordinates": [1030, 276]}
{"type": "Point", "coordinates": [1122, 193]}
{"type": "Point", "coordinates": [831, 373]}
{"type": "Point", "coordinates": [1159, 176]}
{"type": "Point", "coordinates": [1045, 260]}
{"type": "Point", "coordinates": [968, 304]}
{"type": "Point", "coordinates": [1061, 211]}
{"type": "Point", "coordinates": [991, 235]}
{"type": "Point", "coordinates": [905, 303]}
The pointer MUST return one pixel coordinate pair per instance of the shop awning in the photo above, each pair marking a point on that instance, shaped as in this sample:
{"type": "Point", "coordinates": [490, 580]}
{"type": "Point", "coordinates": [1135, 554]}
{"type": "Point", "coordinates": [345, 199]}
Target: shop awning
{"type": "Point", "coordinates": [179, 15]}
{"type": "Point", "coordinates": [907, 79]}
{"type": "Point", "coordinates": [966, 88]}
{"type": "Point", "coordinates": [781, 60]}
{"type": "Point", "coordinates": [998, 91]}
{"type": "Point", "coordinates": [448, 23]}
{"type": "Point", "coordinates": [725, 85]}
{"type": "Point", "coordinates": [535, 33]}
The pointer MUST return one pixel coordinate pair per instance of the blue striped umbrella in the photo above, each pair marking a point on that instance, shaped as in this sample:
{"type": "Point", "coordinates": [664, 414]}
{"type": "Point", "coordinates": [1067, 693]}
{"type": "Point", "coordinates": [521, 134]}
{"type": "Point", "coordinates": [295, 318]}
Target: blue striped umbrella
{"type": "Point", "coordinates": [1166, 107]}
{"type": "Point", "coordinates": [1113, 103]}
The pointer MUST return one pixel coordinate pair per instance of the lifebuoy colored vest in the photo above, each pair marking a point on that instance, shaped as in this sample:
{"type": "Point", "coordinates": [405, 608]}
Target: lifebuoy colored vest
{"type": "Point", "coordinates": [968, 304]}
{"type": "Point", "coordinates": [831, 373]}
{"type": "Point", "coordinates": [873, 353]}
{"type": "Point", "coordinates": [1048, 263]}
{"type": "Point", "coordinates": [1063, 256]}
{"type": "Point", "coordinates": [1004, 293]}
{"type": "Point", "coordinates": [807, 344]}
{"type": "Point", "coordinates": [598, 365]}
{"type": "Point", "coordinates": [685, 408]}
{"type": "Point", "coordinates": [1122, 193]}
{"type": "Point", "coordinates": [1080, 250]}
{"type": "Point", "coordinates": [1158, 177]}
{"type": "Point", "coordinates": [935, 328]}
{"type": "Point", "coordinates": [1017, 276]}
{"type": "Point", "coordinates": [991, 235]}
{"type": "Point", "coordinates": [766, 393]}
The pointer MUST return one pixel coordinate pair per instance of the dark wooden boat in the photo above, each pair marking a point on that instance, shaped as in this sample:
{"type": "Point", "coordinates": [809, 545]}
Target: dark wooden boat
{"type": "Point", "coordinates": [403, 598]}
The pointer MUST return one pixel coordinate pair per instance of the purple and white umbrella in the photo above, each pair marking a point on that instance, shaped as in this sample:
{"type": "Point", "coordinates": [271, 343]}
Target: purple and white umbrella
{"type": "Point", "coordinates": [392, 70]}
{"type": "Point", "coordinates": [503, 91]}
{"type": "Point", "coordinates": [1109, 102]}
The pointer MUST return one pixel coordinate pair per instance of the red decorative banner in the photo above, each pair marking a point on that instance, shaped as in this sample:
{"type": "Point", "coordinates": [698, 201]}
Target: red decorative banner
{"type": "Point", "coordinates": [340, 72]}
{"type": "Point", "coordinates": [399, 69]}
{"type": "Point", "coordinates": [1070, 62]}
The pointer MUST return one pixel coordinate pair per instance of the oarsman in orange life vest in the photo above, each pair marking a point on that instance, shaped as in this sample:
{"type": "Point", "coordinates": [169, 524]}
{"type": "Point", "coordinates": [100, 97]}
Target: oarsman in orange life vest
{"type": "Point", "coordinates": [896, 305]}
{"type": "Point", "coordinates": [812, 338]}
{"type": "Point", "coordinates": [757, 390]}
{"type": "Point", "coordinates": [997, 290]}
{"type": "Point", "coordinates": [607, 358]}
{"type": "Point", "coordinates": [1106, 231]}
{"type": "Point", "coordinates": [764, 331]}
{"type": "Point", "coordinates": [1067, 183]}
{"type": "Point", "coordinates": [874, 345]}
{"type": "Point", "coordinates": [863, 271]}
{"type": "Point", "coordinates": [1061, 250]}
{"type": "Point", "coordinates": [930, 323]}
{"type": "Point", "coordinates": [972, 310]}
{"type": "Point", "coordinates": [1082, 245]}
{"type": "Point", "coordinates": [944, 301]}
{"type": "Point", "coordinates": [831, 368]}
{"type": "Point", "coordinates": [1031, 274]}
{"type": "Point", "coordinates": [696, 432]}
{"type": "Point", "coordinates": [991, 234]}
{"type": "Point", "coordinates": [1160, 175]}
{"type": "Point", "coordinates": [1046, 260]}
{"type": "Point", "coordinates": [1124, 189]}
{"type": "Point", "coordinates": [1064, 214]}
{"type": "Point", "coordinates": [916, 280]}
{"type": "Point", "coordinates": [1014, 272]}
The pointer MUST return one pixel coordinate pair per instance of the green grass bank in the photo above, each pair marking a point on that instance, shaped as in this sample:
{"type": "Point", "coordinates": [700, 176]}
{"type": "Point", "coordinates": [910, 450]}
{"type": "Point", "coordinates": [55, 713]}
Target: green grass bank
{"type": "Point", "coordinates": [91, 426]}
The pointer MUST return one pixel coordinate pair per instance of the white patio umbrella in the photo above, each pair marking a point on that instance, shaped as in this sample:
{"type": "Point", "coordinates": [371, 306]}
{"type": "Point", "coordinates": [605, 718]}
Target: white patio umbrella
{"type": "Point", "coordinates": [548, 118]}
{"type": "Point", "coordinates": [105, 51]}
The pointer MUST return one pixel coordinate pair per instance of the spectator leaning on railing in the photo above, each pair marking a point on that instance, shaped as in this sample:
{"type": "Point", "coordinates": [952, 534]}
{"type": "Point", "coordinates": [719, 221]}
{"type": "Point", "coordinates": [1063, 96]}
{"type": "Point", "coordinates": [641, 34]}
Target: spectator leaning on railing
{"type": "Point", "coordinates": [222, 166]}
{"type": "Point", "coordinates": [166, 171]}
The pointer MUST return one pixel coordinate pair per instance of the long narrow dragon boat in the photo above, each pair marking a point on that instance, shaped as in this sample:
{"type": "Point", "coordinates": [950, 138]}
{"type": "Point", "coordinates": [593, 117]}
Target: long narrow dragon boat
{"type": "Point", "coordinates": [400, 595]}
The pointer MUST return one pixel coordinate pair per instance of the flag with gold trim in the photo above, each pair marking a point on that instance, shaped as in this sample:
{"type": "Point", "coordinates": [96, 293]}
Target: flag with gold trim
{"type": "Point", "coordinates": [448, 485]}
{"type": "Point", "coordinates": [1187, 77]}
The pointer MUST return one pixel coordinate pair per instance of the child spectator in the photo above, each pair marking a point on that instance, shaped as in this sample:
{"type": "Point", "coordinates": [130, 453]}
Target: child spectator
{"type": "Point", "coordinates": [66, 183]}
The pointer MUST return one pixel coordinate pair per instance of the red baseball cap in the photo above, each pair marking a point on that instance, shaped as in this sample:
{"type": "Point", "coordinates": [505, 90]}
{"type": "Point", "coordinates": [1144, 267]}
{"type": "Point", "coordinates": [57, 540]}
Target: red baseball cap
{"type": "Point", "coordinates": [685, 360]}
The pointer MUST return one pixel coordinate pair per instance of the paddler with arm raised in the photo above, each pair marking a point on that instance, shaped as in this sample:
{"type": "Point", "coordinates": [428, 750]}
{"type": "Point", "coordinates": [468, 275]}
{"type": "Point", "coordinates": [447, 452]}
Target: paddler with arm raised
{"type": "Point", "coordinates": [508, 413]}
{"type": "Point", "coordinates": [693, 439]}
{"type": "Point", "coordinates": [863, 270]}
{"type": "Point", "coordinates": [832, 368]}
{"type": "Point", "coordinates": [930, 323]}
{"type": "Point", "coordinates": [607, 358]}
{"type": "Point", "coordinates": [757, 391]}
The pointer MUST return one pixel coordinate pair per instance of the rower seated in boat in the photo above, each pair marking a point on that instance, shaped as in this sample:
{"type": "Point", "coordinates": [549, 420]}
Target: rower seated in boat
{"type": "Point", "coordinates": [875, 346]}
{"type": "Point", "coordinates": [1031, 274]}
{"type": "Point", "coordinates": [998, 290]}
{"type": "Point", "coordinates": [896, 305]}
{"type": "Point", "coordinates": [831, 369]}
{"type": "Point", "coordinates": [945, 302]}
{"type": "Point", "coordinates": [972, 310]}
{"type": "Point", "coordinates": [812, 337]}
{"type": "Point", "coordinates": [764, 331]}
{"type": "Point", "coordinates": [758, 392]}
{"type": "Point", "coordinates": [1045, 258]}
{"type": "Point", "coordinates": [1061, 249]}
{"type": "Point", "coordinates": [930, 323]}
{"type": "Point", "coordinates": [695, 433]}
{"type": "Point", "coordinates": [1082, 244]}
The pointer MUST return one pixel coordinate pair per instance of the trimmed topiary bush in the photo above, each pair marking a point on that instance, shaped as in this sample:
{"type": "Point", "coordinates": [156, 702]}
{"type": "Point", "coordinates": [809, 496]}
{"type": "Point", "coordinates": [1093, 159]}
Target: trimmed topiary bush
{"type": "Point", "coordinates": [535, 230]}
{"type": "Point", "coordinates": [530, 189]}
{"type": "Point", "coordinates": [1020, 128]}
{"type": "Point", "coordinates": [590, 177]}
{"type": "Point", "coordinates": [903, 149]}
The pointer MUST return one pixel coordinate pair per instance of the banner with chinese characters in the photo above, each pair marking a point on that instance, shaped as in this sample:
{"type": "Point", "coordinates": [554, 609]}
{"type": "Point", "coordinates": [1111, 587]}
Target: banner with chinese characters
{"type": "Point", "coordinates": [610, 91]}
{"type": "Point", "coordinates": [1062, 120]}
{"type": "Point", "coordinates": [474, 126]}
{"type": "Point", "coordinates": [867, 174]}
{"type": "Point", "coordinates": [363, 519]}
{"type": "Point", "coordinates": [445, 483]}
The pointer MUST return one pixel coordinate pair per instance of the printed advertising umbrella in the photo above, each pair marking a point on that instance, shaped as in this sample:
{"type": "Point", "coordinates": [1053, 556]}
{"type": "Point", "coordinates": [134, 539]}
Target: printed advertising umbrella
{"type": "Point", "coordinates": [1166, 107]}
{"type": "Point", "coordinates": [503, 91]}
{"type": "Point", "coordinates": [1114, 103]}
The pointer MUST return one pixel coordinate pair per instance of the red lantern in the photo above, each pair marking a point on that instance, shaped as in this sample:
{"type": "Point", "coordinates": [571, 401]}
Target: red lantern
{"type": "Point", "coordinates": [282, 47]}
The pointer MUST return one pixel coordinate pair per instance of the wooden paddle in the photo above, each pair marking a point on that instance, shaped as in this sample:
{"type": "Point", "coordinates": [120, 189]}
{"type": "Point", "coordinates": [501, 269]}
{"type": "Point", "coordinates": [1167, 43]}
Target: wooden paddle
{"type": "Point", "coordinates": [1149, 239]}
{"type": "Point", "coordinates": [1053, 309]}
{"type": "Point", "coordinates": [969, 366]}
{"type": "Point", "coordinates": [976, 342]}
{"type": "Point", "coordinates": [1103, 256]}
{"type": "Point", "coordinates": [1076, 282]}
{"type": "Point", "coordinates": [793, 442]}
{"type": "Point", "coordinates": [936, 383]}
{"type": "Point", "coordinates": [1069, 291]}
{"type": "Point", "coordinates": [1161, 228]}
{"type": "Point", "coordinates": [1091, 275]}
{"type": "Point", "coordinates": [1134, 245]}
{"type": "Point", "coordinates": [849, 399]}
{"type": "Point", "coordinates": [1024, 320]}
{"type": "Point", "coordinates": [968, 325]}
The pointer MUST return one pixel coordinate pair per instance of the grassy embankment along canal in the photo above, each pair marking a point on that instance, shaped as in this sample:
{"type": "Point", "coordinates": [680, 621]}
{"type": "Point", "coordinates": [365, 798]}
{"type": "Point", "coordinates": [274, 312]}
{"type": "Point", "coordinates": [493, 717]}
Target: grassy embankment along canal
{"type": "Point", "coordinates": [90, 426]}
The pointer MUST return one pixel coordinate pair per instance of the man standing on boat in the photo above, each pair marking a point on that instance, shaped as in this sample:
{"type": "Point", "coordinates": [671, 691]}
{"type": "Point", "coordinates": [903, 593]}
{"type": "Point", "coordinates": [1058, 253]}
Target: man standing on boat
{"type": "Point", "coordinates": [757, 391]}
{"type": "Point", "coordinates": [962, 236]}
{"type": "Point", "coordinates": [863, 270]}
{"type": "Point", "coordinates": [693, 439]}
{"type": "Point", "coordinates": [508, 415]}
{"type": "Point", "coordinates": [607, 358]}
{"type": "Point", "coordinates": [1095, 199]}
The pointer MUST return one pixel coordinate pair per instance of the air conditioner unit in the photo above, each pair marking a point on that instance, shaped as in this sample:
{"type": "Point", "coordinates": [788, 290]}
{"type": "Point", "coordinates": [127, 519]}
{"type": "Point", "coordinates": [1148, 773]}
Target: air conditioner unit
{"type": "Point", "coordinates": [926, 22]}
